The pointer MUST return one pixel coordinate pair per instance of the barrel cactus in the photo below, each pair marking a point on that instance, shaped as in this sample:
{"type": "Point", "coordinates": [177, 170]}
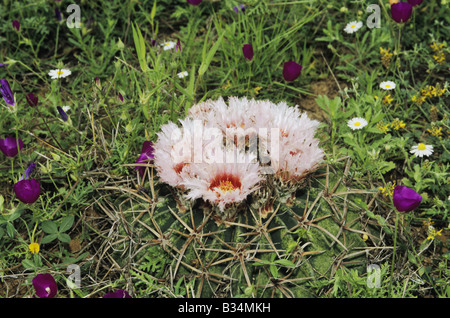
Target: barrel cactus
{"type": "Point", "coordinates": [231, 217]}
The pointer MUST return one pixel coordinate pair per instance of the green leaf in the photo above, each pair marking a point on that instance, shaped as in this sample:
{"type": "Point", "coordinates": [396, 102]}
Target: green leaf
{"type": "Point", "coordinates": [49, 238]}
{"type": "Point", "coordinates": [49, 227]}
{"type": "Point", "coordinates": [66, 223]}
{"type": "Point", "coordinates": [274, 271]}
{"type": "Point", "coordinates": [411, 258]}
{"type": "Point", "coordinates": [153, 12]}
{"type": "Point", "coordinates": [63, 237]}
{"type": "Point", "coordinates": [140, 47]}
{"type": "Point", "coordinates": [28, 264]}
{"type": "Point", "coordinates": [285, 262]}
{"type": "Point", "coordinates": [10, 229]}
{"type": "Point", "coordinates": [210, 55]}
{"type": "Point", "coordinates": [248, 291]}
{"type": "Point", "coordinates": [386, 166]}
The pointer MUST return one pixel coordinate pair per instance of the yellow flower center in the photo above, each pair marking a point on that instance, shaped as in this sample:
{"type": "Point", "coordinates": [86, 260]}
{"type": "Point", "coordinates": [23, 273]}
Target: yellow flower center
{"type": "Point", "coordinates": [59, 72]}
{"type": "Point", "coordinates": [34, 248]}
{"type": "Point", "coordinates": [421, 147]}
{"type": "Point", "coordinates": [226, 186]}
{"type": "Point", "coordinates": [387, 85]}
{"type": "Point", "coordinates": [353, 26]}
{"type": "Point", "coordinates": [225, 183]}
{"type": "Point", "coordinates": [357, 124]}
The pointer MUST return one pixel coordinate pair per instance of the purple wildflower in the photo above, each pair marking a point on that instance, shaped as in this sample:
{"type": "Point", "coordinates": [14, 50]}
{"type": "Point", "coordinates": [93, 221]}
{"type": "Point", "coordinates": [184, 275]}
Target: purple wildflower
{"type": "Point", "coordinates": [5, 90]}
{"type": "Point", "coordinates": [45, 286]}
{"type": "Point", "coordinates": [415, 2]}
{"type": "Point", "coordinates": [401, 11]}
{"type": "Point", "coordinates": [405, 199]}
{"type": "Point", "coordinates": [16, 25]}
{"type": "Point", "coordinates": [291, 70]}
{"type": "Point", "coordinates": [194, 2]}
{"type": "Point", "coordinates": [27, 190]}
{"type": "Point", "coordinates": [236, 8]}
{"type": "Point", "coordinates": [58, 15]}
{"type": "Point", "coordinates": [147, 156]}
{"type": "Point", "coordinates": [247, 49]}
{"type": "Point", "coordinates": [28, 171]}
{"type": "Point", "coordinates": [62, 113]}
{"type": "Point", "coordinates": [9, 146]}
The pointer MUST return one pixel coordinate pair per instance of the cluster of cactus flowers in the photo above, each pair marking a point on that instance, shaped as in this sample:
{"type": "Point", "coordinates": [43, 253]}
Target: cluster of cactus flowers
{"type": "Point", "coordinates": [238, 203]}
{"type": "Point", "coordinates": [237, 155]}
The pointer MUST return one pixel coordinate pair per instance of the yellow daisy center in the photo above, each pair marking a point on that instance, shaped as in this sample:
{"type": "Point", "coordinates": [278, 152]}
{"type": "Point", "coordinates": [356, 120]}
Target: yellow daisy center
{"type": "Point", "coordinates": [387, 86]}
{"type": "Point", "coordinates": [353, 26]}
{"type": "Point", "coordinates": [357, 124]}
{"type": "Point", "coordinates": [59, 72]}
{"type": "Point", "coordinates": [421, 147]}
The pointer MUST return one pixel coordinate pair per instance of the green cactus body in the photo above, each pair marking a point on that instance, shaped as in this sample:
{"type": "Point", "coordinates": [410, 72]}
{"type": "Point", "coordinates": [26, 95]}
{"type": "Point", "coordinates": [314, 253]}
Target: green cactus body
{"type": "Point", "coordinates": [274, 254]}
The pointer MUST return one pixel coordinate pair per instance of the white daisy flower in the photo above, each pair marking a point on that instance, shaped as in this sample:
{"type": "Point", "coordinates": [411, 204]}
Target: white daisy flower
{"type": "Point", "coordinates": [353, 26]}
{"type": "Point", "coordinates": [356, 123]}
{"type": "Point", "coordinates": [182, 74]}
{"type": "Point", "coordinates": [59, 73]}
{"type": "Point", "coordinates": [421, 150]}
{"type": "Point", "coordinates": [168, 45]}
{"type": "Point", "coordinates": [388, 85]}
{"type": "Point", "coordinates": [66, 108]}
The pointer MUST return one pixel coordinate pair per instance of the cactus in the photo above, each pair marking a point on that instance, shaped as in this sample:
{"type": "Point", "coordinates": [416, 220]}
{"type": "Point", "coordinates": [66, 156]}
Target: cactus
{"type": "Point", "coordinates": [254, 255]}
{"type": "Point", "coordinates": [295, 226]}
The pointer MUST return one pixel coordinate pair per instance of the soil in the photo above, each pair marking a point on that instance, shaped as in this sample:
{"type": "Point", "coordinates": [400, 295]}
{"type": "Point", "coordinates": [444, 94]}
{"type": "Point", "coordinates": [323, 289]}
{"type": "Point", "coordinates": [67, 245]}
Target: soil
{"type": "Point", "coordinates": [326, 87]}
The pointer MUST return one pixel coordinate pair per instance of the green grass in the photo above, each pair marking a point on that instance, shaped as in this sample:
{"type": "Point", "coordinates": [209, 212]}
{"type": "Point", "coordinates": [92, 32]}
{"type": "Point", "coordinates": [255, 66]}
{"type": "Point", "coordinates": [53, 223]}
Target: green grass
{"type": "Point", "coordinates": [89, 211]}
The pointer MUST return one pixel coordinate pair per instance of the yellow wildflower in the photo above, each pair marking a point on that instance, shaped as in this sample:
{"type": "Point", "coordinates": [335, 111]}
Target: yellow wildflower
{"type": "Point", "coordinates": [439, 57]}
{"type": "Point", "coordinates": [387, 100]}
{"type": "Point", "coordinates": [432, 233]}
{"type": "Point", "coordinates": [418, 100]}
{"type": "Point", "coordinates": [34, 248]}
{"type": "Point", "coordinates": [434, 131]}
{"type": "Point", "coordinates": [437, 47]}
{"type": "Point", "coordinates": [398, 124]}
{"type": "Point", "coordinates": [431, 230]}
{"type": "Point", "coordinates": [385, 57]}
{"type": "Point", "coordinates": [226, 86]}
{"type": "Point", "coordinates": [383, 128]}
{"type": "Point", "coordinates": [388, 190]}
{"type": "Point", "coordinates": [257, 89]}
{"type": "Point", "coordinates": [439, 91]}
{"type": "Point", "coordinates": [428, 91]}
